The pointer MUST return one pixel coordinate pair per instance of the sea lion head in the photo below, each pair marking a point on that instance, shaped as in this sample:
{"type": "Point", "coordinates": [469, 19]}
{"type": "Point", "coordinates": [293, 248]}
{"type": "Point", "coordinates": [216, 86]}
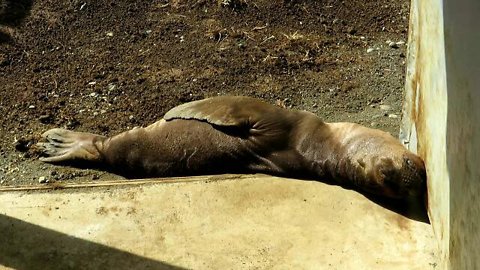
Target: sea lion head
{"type": "Point", "coordinates": [397, 174]}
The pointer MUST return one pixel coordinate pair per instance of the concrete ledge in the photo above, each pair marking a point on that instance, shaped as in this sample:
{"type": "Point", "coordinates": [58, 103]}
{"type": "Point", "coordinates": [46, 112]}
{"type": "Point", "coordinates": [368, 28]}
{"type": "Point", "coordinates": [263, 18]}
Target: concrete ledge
{"type": "Point", "coordinates": [247, 222]}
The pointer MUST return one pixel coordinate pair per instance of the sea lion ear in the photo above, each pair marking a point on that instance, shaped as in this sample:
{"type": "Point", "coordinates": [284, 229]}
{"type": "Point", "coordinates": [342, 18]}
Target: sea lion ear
{"type": "Point", "coordinates": [222, 111]}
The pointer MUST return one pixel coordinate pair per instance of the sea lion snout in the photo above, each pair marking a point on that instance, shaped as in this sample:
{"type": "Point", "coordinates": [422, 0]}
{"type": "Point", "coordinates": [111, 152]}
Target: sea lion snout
{"type": "Point", "coordinates": [401, 177]}
{"type": "Point", "coordinates": [413, 174]}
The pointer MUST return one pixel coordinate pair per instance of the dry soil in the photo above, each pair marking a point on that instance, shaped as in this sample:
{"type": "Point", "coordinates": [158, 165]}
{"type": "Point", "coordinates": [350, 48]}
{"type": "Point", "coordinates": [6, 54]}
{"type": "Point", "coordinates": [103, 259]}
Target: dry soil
{"type": "Point", "coordinates": [106, 66]}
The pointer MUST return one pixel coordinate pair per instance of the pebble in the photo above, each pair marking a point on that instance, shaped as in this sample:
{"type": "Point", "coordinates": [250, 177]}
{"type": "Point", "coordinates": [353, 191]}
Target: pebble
{"type": "Point", "coordinates": [384, 107]}
{"type": "Point", "coordinates": [94, 94]}
{"type": "Point", "coordinates": [369, 50]}
{"type": "Point", "coordinates": [31, 107]}
{"type": "Point", "coordinates": [111, 87]}
{"type": "Point", "coordinates": [109, 34]}
{"type": "Point", "coordinates": [42, 180]}
{"type": "Point", "coordinates": [45, 119]}
{"type": "Point", "coordinates": [351, 30]}
{"type": "Point", "coordinates": [393, 115]}
{"type": "Point", "coordinates": [393, 45]}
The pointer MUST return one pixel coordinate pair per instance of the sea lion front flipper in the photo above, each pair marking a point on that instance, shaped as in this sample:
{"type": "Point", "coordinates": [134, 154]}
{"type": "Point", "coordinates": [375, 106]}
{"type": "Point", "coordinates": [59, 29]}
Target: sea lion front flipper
{"type": "Point", "coordinates": [224, 111]}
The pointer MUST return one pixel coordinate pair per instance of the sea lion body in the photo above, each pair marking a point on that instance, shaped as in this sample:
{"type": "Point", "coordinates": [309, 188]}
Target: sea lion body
{"type": "Point", "coordinates": [246, 135]}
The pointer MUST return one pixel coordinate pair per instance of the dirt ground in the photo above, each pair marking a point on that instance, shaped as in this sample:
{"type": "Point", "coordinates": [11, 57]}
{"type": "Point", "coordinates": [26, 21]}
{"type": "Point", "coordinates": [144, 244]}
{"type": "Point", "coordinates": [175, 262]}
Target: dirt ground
{"type": "Point", "coordinates": [106, 66]}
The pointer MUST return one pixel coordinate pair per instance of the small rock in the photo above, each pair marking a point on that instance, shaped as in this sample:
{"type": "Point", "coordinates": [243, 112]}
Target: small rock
{"type": "Point", "coordinates": [393, 115]}
{"type": "Point", "coordinates": [42, 180]}
{"type": "Point", "coordinates": [109, 34]}
{"type": "Point", "coordinates": [23, 144]}
{"type": "Point", "coordinates": [384, 107]}
{"type": "Point", "coordinates": [93, 94]}
{"type": "Point", "coordinates": [351, 30]}
{"type": "Point", "coordinates": [373, 124]}
{"type": "Point", "coordinates": [4, 61]}
{"type": "Point", "coordinates": [31, 107]}
{"type": "Point", "coordinates": [393, 45]}
{"type": "Point", "coordinates": [369, 50]}
{"type": "Point", "coordinates": [73, 123]}
{"type": "Point", "coordinates": [111, 87]}
{"type": "Point", "coordinates": [400, 43]}
{"type": "Point", "coordinates": [46, 119]}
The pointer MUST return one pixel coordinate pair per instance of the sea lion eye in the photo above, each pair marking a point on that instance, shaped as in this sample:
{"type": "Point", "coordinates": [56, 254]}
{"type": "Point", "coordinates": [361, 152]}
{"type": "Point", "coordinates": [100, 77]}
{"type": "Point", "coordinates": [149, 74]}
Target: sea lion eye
{"type": "Point", "coordinates": [409, 162]}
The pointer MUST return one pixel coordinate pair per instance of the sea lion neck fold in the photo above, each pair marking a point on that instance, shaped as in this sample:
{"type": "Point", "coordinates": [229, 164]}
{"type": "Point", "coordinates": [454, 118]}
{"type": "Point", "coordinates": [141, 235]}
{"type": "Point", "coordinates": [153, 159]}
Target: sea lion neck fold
{"type": "Point", "coordinates": [324, 149]}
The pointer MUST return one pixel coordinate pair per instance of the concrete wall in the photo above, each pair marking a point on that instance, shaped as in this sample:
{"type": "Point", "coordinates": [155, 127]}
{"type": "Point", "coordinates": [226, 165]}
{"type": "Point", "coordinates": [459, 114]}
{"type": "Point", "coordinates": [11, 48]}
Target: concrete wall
{"type": "Point", "coordinates": [441, 120]}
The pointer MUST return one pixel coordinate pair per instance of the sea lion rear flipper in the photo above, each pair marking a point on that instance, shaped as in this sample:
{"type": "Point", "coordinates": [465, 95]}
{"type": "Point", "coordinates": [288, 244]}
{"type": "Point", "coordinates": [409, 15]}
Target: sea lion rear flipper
{"type": "Point", "coordinates": [224, 111]}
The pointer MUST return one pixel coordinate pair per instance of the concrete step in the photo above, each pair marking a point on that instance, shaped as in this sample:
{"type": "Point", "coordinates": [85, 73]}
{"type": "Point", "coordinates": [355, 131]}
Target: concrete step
{"type": "Point", "coordinates": [207, 222]}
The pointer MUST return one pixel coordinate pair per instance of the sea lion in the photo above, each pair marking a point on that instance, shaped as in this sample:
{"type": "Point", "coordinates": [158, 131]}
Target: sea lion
{"type": "Point", "coordinates": [233, 134]}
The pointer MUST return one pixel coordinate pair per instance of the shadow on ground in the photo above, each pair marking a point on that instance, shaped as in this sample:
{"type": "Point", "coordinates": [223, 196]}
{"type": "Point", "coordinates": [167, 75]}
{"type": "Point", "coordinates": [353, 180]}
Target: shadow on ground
{"type": "Point", "coordinates": [413, 208]}
{"type": "Point", "coordinates": [29, 246]}
{"type": "Point", "coordinates": [12, 13]}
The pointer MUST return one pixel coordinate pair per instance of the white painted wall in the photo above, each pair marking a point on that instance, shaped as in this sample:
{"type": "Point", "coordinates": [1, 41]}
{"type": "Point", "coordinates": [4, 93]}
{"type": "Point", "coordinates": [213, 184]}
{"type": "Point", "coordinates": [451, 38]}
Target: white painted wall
{"type": "Point", "coordinates": [441, 121]}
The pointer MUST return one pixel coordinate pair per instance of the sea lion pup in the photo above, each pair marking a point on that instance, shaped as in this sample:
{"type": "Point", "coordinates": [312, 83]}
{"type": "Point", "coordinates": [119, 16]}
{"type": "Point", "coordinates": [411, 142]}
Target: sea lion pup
{"type": "Point", "coordinates": [245, 135]}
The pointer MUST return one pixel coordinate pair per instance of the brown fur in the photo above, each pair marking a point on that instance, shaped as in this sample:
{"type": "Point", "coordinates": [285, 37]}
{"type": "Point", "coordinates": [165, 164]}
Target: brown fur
{"type": "Point", "coordinates": [243, 135]}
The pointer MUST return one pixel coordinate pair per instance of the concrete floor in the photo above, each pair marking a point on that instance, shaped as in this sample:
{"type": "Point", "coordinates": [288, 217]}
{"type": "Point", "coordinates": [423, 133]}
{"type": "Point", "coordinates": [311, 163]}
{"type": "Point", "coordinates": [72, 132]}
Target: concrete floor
{"type": "Point", "coordinates": [219, 222]}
